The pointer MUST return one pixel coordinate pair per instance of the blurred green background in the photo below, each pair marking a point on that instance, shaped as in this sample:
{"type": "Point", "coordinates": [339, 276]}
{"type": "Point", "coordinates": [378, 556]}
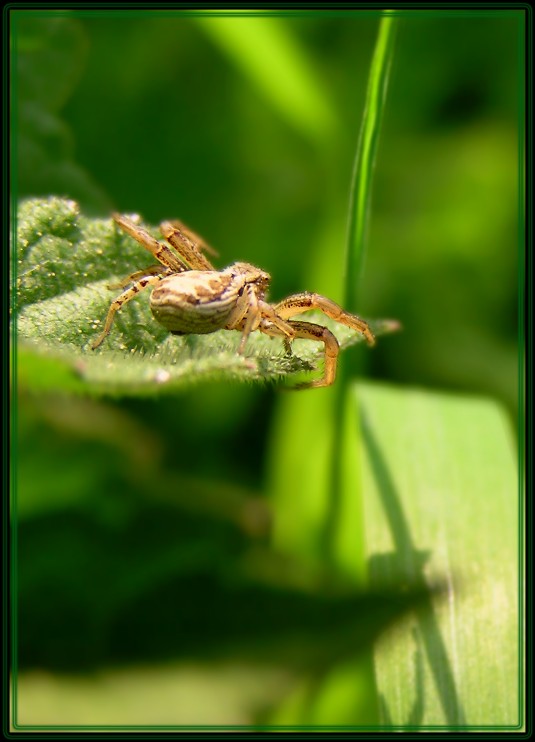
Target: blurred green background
{"type": "Point", "coordinates": [154, 114]}
{"type": "Point", "coordinates": [172, 116]}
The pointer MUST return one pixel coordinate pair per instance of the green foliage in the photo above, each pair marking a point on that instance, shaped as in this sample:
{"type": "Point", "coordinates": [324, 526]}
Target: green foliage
{"type": "Point", "coordinates": [171, 121]}
{"type": "Point", "coordinates": [157, 582]}
{"type": "Point", "coordinates": [132, 548]}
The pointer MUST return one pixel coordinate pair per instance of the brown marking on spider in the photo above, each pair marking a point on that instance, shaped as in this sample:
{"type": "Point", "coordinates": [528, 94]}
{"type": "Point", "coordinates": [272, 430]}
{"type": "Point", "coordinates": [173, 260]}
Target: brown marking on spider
{"type": "Point", "coordinates": [190, 296]}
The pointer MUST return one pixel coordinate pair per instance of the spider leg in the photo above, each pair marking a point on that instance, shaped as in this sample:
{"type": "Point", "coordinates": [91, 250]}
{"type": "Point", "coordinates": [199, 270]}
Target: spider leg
{"type": "Point", "coordinates": [276, 331]}
{"type": "Point", "coordinates": [246, 315]}
{"type": "Point", "coordinates": [187, 249]}
{"type": "Point", "coordinates": [252, 317]}
{"type": "Point", "coordinates": [285, 328]}
{"type": "Point", "coordinates": [270, 313]}
{"type": "Point", "coordinates": [298, 303]}
{"type": "Point", "coordinates": [252, 313]}
{"type": "Point", "coordinates": [123, 298]}
{"type": "Point", "coordinates": [310, 331]}
{"type": "Point", "coordinates": [152, 270]}
{"type": "Point", "coordinates": [160, 251]}
{"type": "Point", "coordinates": [200, 244]}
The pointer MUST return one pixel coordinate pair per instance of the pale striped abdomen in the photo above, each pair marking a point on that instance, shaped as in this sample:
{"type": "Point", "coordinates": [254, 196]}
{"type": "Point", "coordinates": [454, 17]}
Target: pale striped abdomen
{"type": "Point", "coordinates": [194, 302]}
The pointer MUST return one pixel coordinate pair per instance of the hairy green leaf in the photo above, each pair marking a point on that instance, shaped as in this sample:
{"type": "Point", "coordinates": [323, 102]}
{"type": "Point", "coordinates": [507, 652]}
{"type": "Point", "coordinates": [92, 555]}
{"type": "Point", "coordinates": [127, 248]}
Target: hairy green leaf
{"type": "Point", "coordinates": [65, 263]}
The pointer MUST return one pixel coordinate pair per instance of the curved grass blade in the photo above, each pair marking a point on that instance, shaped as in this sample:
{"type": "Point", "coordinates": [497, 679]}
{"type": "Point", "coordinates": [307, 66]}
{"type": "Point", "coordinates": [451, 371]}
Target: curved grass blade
{"type": "Point", "coordinates": [360, 196]}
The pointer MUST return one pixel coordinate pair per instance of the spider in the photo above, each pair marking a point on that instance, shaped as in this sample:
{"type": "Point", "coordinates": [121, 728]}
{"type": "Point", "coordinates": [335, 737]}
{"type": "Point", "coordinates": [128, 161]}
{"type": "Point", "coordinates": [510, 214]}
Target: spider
{"type": "Point", "coordinates": [190, 296]}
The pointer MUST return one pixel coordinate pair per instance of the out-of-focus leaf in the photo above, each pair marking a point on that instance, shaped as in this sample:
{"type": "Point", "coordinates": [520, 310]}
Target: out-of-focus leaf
{"type": "Point", "coordinates": [169, 696]}
{"type": "Point", "coordinates": [73, 451]}
{"type": "Point", "coordinates": [441, 502]}
{"type": "Point", "coordinates": [122, 560]}
{"type": "Point", "coordinates": [49, 55]}
{"type": "Point", "coordinates": [65, 263]}
{"type": "Point", "coordinates": [51, 52]}
{"type": "Point", "coordinates": [147, 581]}
{"type": "Point", "coordinates": [267, 53]}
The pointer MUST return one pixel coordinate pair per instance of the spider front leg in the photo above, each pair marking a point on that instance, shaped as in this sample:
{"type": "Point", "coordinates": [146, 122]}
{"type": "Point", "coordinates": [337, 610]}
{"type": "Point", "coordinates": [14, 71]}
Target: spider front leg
{"type": "Point", "coordinates": [180, 237]}
{"type": "Point", "coordinates": [310, 331]}
{"type": "Point", "coordinates": [152, 270]}
{"type": "Point", "coordinates": [161, 251]}
{"type": "Point", "coordinates": [298, 303]}
{"type": "Point", "coordinates": [198, 241]}
{"type": "Point", "coordinates": [126, 296]}
{"type": "Point", "coordinates": [251, 314]}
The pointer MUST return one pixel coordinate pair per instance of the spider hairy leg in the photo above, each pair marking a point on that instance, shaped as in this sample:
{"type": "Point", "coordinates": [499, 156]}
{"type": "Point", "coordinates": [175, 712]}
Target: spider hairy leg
{"type": "Point", "coordinates": [252, 317]}
{"type": "Point", "coordinates": [122, 299]}
{"type": "Point", "coordinates": [152, 270]}
{"type": "Point", "coordinates": [161, 252]}
{"type": "Point", "coordinates": [287, 333]}
{"type": "Point", "coordinates": [310, 331]}
{"type": "Point", "coordinates": [269, 313]}
{"type": "Point", "coordinates": [252, 314]}
{"type": "Point", "coordinates": [246, 316]}
{"type": "Point", "coordinates": [200, 244]}
{"type": "Point", "coordinates": [185, 246]}
{"type": "Point", "coordinates": [298, 303]}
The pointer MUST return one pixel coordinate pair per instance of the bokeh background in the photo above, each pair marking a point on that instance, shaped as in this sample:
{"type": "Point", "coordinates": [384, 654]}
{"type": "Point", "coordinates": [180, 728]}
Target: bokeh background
{"type": "Point", "coordinates": [246, 129]}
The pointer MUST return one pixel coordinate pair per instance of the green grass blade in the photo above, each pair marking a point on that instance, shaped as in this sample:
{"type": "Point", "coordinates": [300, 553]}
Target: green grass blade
{"type": "Point", "coordinates": [441, 504]}
{"type": "Point", "coordinates": [344, 489]}
{"type": "Point", "coordinates": [360, 197]}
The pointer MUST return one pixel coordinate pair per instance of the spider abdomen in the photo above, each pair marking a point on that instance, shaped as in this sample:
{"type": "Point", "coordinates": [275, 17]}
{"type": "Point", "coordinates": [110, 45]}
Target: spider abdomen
{"type": "Point", "coordinates": [194, 302]}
